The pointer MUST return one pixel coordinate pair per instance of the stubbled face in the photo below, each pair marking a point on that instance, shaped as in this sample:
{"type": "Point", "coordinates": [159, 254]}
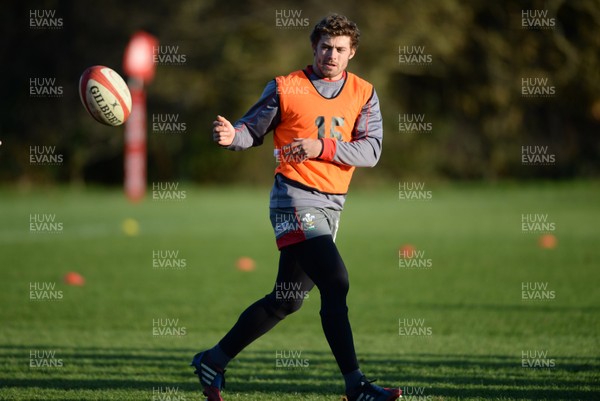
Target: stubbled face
{"type": "Point", "coordinates": [332, 54]}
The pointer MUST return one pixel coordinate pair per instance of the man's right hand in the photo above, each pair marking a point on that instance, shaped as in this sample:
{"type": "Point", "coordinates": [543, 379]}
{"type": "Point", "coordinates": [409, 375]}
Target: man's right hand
{"type": "Point", "coordinates": [223, 131]}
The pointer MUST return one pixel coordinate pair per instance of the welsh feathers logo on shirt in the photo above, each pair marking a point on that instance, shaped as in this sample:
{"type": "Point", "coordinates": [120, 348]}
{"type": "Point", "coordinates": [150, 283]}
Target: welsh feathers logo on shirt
{"type": "Point", "coordinates": [308, 222]}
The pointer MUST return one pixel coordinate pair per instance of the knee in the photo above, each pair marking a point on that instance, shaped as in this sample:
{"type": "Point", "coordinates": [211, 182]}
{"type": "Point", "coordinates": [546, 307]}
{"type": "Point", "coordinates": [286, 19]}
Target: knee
{"type": "Point", "coordinates": [289, 307]}
{"type": "Point", "coordinates": [281, 308]}
{"type": "Point", "coordinates": [336, 288]}
{"type": "Point", "coordinates": [333, 297]}
{"type": "Point", "coordinates": [342, 284]}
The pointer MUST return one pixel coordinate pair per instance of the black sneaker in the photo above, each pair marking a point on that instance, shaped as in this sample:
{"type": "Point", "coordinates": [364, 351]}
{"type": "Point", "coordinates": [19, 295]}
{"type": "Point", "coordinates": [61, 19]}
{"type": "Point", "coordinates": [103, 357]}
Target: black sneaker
{"type": "Point", "coordinates": [370, 392]}
{"type": "Point", "coordinates": [211, 378]}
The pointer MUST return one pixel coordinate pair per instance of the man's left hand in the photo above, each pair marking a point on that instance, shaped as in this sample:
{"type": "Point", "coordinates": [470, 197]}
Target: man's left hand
{"type": "Point", "coordinates": [307, 148]}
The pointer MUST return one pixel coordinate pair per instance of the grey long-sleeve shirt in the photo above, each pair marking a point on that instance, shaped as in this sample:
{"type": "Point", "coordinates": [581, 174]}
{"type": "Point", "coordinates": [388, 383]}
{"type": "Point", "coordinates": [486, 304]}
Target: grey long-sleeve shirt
{"type": "Point", "coordinates": [363, 151]}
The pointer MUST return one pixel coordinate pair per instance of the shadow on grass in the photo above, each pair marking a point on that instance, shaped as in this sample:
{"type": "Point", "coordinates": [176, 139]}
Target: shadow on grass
{"type": "Point", "coordinates": [523, 307]}
{"type": "Point", "coordinates": [456, 376]}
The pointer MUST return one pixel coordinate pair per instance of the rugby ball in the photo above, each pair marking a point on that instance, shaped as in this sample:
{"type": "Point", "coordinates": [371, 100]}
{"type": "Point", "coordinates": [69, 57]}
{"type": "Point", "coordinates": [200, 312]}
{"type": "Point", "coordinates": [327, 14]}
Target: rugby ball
{"type": "Point", "coordinates": [105, 95]}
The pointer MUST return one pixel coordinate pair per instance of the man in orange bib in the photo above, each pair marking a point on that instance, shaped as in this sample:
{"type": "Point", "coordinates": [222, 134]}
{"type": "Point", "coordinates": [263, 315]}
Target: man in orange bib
{"type": "Point", "coordinates": [326, 121]}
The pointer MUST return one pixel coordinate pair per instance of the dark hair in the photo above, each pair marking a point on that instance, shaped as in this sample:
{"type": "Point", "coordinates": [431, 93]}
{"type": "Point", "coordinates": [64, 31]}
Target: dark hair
{"type": "Point", "coordinates": [336, 25]}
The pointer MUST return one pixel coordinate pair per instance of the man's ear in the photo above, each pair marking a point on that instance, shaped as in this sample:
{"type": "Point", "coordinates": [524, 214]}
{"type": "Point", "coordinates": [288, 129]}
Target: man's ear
{"type": "Point", "coordinates": [352, 52]}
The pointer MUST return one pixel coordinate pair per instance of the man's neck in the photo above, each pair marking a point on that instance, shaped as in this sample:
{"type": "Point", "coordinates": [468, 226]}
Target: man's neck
{"type": "Point", "coordinates": [314, 70]}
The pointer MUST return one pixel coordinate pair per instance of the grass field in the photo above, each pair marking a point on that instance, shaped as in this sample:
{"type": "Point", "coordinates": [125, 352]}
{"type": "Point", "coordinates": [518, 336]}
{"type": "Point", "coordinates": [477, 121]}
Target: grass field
{"type": "Point", "coordinates": [100, 341]}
